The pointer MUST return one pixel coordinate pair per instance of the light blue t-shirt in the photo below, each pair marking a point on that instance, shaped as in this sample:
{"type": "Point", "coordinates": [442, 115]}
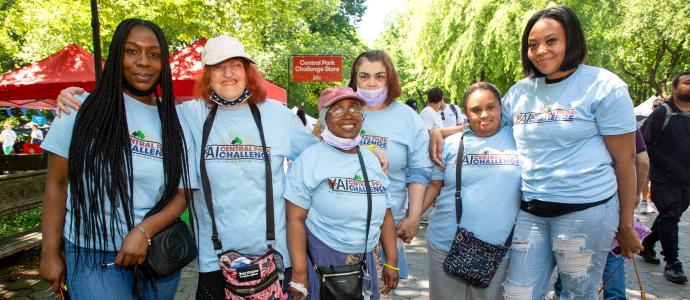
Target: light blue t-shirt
{"type": "Point", "coordinates": [236, 171]}
{"type": "Point", "coordinates": [330, 184]}
{"type": "Point", "coordinates": [398, 131]}
{"type": "Point", "coordinates": [490, 189]}
{"type": "Point", "coordinates": [143, 123]}
{"type": "Point", "coordinates": [559, 131]}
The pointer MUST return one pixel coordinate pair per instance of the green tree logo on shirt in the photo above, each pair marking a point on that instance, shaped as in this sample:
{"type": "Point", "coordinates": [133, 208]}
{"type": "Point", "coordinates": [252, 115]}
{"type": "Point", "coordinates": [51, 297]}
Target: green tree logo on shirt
{"type": "Point", "coordinates": [237, 141]}
{"type": "Point", "coordinates": [138, 134]}
{"type": "Point", "coordinates": [362, 132]}
{"type": "Point", "coordinates": [487, 152]}
{"type": "Point", "coordinates": [357, 177]}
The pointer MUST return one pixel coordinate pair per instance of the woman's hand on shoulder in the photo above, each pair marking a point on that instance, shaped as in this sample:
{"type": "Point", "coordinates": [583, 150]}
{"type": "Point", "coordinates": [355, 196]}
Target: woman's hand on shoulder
{"type": "Point", "coordinates": [66, 100]}
{"type": "Point", "coordinates": [133, 250]}
{"type": "Point", "coordinates": [436, 148]}
{"type": "Point", "coordinates": [383, 159]}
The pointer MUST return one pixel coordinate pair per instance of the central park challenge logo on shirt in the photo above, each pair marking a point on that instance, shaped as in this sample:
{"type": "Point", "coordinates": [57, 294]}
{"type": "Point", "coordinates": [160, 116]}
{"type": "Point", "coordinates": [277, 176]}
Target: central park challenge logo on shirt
{"type": "Point", "coordinates": [235, 151]}
{"type": "Point", "coordinates": [488, 159]}
{"type": "Point", "coordinates": [549, 116]}
{"type": "Point", "coordinates": [354, 185]}
{"type": "Point", "coordinates": [144, 148]}
{"type": "Point", "coordinates": [373, 142]}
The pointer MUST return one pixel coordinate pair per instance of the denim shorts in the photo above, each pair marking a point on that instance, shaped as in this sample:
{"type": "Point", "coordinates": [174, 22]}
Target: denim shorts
{"type": "Point", "coordinates": [87, 280]}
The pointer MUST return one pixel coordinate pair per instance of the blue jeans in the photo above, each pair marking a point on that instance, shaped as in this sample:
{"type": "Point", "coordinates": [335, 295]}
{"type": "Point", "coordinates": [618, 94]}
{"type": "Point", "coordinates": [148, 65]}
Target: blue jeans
{"type": "Point", "coordinates": [577, 243]}
{"type": "Point", "coordinates": [91, 281]}
{"type": "Point", "coordinates": [614, 269]}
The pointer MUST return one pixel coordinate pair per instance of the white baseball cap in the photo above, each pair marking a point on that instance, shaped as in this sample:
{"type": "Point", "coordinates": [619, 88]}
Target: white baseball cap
{"type": "Point", "coordinates": [222, 47]}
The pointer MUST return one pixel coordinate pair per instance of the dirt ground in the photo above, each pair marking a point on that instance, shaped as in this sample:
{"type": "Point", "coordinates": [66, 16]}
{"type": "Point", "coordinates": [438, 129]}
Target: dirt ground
{"type": "Point", "coordinates": [20, 265]}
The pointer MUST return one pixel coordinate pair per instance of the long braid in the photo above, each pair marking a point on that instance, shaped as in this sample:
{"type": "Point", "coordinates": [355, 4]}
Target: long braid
{"type": "Point", "coordinates": [174, 147]}
{"type": "Point", "coordinates": [100, 159]}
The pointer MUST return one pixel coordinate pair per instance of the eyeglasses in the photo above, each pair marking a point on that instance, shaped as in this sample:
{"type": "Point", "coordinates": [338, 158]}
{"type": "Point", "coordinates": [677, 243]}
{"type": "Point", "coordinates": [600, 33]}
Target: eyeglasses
{"type": "Point", "coordinates": [443, 116]}
{"type": "Point", "coordinates": [339, 111]}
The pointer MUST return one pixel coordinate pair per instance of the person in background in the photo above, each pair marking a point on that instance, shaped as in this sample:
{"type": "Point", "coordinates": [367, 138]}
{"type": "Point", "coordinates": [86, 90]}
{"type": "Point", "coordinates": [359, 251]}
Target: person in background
{"type": "Point", "coordinates": [646, 206]}
{"type": "Point", "coordinates": [490, 192]}
{"type": "Point", "coordinates": [451, 115]}
{"type": "Point", "coordinates": [36, 135]}
{"type": "Point", "coordinates": [327, 217]}
{"type": "Point", "coordinates": [8, 137]}
{"type": "Point", "coordinates": [391, 127]}
{"type": "Point", "coordinates": [668, 144]}
{"type": "Point", "coordinates": [412, 103]}
{"type": "Point", "coordinates": [431, 114]}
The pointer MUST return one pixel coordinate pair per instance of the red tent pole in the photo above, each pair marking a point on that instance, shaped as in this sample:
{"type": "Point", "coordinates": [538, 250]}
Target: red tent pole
{"type": "Point", "coordinates": [95, 26]}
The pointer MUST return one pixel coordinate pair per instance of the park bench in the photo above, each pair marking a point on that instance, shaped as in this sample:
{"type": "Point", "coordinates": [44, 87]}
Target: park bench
{"type": "Point", "coordinates": [22, 162]}
{"type": "Point", "coordinates": [19, 192]}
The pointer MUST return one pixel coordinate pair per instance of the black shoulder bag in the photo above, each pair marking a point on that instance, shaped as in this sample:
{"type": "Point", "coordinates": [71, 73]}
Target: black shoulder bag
{"type": "Point", "coordinates": [259, 278]}
{"type": "Point", "coordinates": [471, 259]}
{"type": "Point", "coordinates": [346, 282]}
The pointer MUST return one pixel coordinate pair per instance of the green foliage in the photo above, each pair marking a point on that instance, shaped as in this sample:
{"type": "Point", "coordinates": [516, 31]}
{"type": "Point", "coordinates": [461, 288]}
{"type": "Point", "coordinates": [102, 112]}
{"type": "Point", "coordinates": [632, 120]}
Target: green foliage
{"type": "Point", "coordinates": [270, 30]}
{"type": "Point", "coordinates": [453, 43]}
{"type": "Point", "coordinates": [20, 222]}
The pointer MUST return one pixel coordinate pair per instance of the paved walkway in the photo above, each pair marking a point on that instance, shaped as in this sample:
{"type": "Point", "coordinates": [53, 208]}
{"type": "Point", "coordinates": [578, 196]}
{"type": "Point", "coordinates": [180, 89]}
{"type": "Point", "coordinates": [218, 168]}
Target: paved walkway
{"type": "Point", "coordinates": [417, 286]}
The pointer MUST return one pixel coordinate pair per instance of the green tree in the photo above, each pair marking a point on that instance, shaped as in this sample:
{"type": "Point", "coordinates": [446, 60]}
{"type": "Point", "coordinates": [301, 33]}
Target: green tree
{"type": "Point", "coordinates": [453, 43]}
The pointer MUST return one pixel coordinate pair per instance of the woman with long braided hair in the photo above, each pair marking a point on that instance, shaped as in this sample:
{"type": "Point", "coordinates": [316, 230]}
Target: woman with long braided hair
{"type": "Point", "coordinates": [117, 174]}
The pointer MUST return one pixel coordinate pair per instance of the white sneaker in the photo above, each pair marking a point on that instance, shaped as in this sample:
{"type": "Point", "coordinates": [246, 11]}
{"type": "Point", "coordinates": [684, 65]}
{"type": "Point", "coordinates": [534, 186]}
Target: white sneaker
{"type": "Point", "coordinates": [647, 208]}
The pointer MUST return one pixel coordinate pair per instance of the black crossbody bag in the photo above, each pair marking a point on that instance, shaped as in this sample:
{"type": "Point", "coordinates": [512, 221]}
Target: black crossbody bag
{"type": "Point", "coordinates": [345, 282]}
{"type": "Point", "coordinates": [471, 259]}
{"type": "Point", "coordinates": [260, 277]}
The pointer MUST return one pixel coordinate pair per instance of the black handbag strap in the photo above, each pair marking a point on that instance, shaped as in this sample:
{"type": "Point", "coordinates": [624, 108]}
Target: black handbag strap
{"type": "Point", "coordinates": [206, 185]}
{"type": "Point", "coordinates": [458, 188]}
{"type": "Point", "coordinates": [369, 205]}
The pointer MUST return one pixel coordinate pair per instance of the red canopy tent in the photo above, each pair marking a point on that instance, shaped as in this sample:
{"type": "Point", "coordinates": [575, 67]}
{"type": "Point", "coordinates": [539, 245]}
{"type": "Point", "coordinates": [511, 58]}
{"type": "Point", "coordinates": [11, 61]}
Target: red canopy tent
{"type": "Point", "coordinates": [36, 85]}
{"type": "Point", "coordinates": [186, 68]}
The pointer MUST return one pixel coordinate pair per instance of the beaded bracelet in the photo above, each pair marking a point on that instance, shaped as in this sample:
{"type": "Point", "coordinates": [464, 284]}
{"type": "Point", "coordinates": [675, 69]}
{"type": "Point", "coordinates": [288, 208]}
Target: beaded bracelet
{"type": "Point", "coordinates": [146, 234]}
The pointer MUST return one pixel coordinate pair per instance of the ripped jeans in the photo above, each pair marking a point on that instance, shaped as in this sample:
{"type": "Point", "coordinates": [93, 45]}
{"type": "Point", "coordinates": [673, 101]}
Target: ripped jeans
{"type": "Point", "coordinates": [577, 243]}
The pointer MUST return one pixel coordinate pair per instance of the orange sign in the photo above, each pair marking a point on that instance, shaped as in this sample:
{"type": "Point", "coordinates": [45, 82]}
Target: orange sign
{"type": "Point", "coordinates": [317, 68]}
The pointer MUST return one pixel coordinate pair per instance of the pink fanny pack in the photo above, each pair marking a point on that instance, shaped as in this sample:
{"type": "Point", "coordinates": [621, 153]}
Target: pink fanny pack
{"type": "Point", "coordinates": [252, 277]}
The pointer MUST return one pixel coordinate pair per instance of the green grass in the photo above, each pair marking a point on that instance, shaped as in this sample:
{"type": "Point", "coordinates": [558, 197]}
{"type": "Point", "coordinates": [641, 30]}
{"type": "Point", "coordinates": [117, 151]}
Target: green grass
{"type": "Point", "coordinates": [20, 222]}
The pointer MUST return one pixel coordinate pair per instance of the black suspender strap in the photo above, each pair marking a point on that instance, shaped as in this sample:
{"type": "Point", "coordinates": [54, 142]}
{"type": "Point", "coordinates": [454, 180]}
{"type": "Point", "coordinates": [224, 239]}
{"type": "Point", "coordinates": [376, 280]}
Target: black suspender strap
{"type": "Point", "coordinates": [206, 186]}
{"type": "Point", "coordinates": [270, 222]}
{"type": "Point", "coordinates": [455, 111]}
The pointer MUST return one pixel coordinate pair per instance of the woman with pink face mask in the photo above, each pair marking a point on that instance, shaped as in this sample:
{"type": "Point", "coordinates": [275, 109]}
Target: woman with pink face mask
{"type": "Point", "coordinates": [395, 129]}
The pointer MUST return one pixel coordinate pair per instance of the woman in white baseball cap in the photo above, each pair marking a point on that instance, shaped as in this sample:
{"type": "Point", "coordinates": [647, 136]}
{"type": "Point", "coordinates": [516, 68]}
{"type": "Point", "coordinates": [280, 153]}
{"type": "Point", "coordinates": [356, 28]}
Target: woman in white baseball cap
{"type": "Point", "coordinates": [232, 207]}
